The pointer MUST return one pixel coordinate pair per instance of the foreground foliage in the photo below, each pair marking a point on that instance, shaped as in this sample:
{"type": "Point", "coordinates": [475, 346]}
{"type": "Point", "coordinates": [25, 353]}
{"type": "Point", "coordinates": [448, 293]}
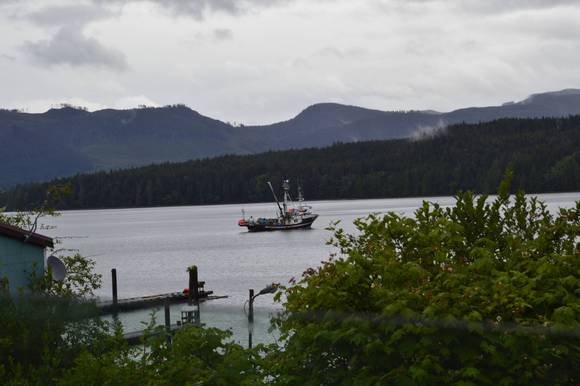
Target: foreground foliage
{"type": "Point", "coordinates": [45, 326]}
{"type": "Point", "coordinates": [197, 356]}
{"type": "Point", "coordinates": [485, 292]}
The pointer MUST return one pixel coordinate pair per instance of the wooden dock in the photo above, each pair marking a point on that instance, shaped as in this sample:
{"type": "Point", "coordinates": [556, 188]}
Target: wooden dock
{"type": "Point", "coordinates": [195, 293]}
{"type": "Point", "coordinates": [136, 303]}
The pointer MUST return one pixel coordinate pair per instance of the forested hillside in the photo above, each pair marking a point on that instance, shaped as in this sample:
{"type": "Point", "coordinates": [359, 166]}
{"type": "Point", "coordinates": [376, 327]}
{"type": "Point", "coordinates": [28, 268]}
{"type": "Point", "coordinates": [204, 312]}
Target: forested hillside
{"type": "Point", "coordinates": [543, 153]}
{"type": "Point", "coordinates": [68, 140]}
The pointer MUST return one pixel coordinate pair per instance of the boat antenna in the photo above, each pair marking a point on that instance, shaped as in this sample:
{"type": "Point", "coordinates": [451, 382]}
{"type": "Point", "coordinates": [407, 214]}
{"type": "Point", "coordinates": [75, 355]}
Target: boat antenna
{"type": "Point", "coordinates": [286, 187]}
{"type": "Point", "coordinates": [300, 193]}
{"type": "Point", "coordinates": [276, 198]}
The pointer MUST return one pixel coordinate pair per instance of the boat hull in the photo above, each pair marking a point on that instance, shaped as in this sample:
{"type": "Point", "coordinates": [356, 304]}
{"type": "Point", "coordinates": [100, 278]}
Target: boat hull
{"type": "Point", "coordinates": [256, 227]}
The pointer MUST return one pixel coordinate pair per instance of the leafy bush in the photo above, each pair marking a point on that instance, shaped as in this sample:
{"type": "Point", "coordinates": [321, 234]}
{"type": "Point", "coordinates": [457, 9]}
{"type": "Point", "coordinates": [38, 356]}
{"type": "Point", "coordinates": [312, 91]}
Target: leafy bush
{"type": "Point", "coordinates": [44, 327]}
{"type": "Point", "coordinates": [485, 292]}
{"type": "Point", "coordinates": [197, 356]}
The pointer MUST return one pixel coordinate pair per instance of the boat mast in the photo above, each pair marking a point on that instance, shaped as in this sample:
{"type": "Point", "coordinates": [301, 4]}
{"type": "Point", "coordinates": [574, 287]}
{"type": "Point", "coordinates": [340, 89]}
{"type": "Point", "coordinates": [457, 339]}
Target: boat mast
{"type": "Point", "coordinates": [276, 198]}
{"type": "Point", "coordinates": [300, 194]}
{"type": "Point", "coordinates": [286, 186]}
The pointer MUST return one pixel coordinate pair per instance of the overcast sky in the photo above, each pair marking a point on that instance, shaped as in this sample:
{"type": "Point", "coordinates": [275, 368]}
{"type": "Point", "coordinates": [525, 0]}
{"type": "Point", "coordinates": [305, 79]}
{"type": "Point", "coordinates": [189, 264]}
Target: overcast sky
{"type": "Point", "coordinates": [260, 61]}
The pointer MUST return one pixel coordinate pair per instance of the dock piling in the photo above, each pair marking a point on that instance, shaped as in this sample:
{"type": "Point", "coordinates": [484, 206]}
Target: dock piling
{"type": "Point", "coordinates": [167, 321]}
{"type": "Point", "coordinates": [193, 293]}
{"type": "Point", "coordinates": [250, 317]}
{"type": "Point", "coordinates": [251, 307]}
{"type": "Point", "coordinates": [114, 281]}
{"type": "Point", "coordinates": [167, 316]}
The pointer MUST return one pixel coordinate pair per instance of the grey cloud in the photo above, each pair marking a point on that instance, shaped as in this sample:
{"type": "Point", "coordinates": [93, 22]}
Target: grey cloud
{"type": "Point", "coordinates": [331, 51]}
{"type": "Point", "coordinates": [9, 58]}
{"type": "Point", "coordinates": [505, 6]}
{"type": "Point", "coordinates": [199, 8]}
{"type": "Point", "coordinates": [223, 34]}
{"type": "Point", "coordinates": [426, 132]}
{"type": "Point", "coordinates": [68, 14]}
{"type": "Point", "coordinates": [98, 9]}
{"type": "Point", "coordinates": [478, 6]}
{"type": "Point", "coordinates": [4, 3]}
{"type": "Point", "coordinates": [70, 46]}
{"type": "Point", "coordinates": [341, 53]}
{"type": "Point", "coordinates": [495, 3]}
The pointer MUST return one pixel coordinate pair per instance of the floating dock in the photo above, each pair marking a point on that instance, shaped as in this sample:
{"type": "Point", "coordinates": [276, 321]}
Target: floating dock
{"type": "Point", "coordinates": [195, 293]}
{"type": "Point", "coordinates": [136, 303]}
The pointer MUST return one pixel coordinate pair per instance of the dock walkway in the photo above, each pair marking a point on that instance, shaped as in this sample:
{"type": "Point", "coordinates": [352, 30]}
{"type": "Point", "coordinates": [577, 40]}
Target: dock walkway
{"type": "Point", "coordinates": [129, 304]}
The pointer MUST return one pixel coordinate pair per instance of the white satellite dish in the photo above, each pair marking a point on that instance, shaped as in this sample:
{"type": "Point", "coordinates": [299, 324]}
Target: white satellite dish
{"type": "Point", "coordinates": [57, 267]}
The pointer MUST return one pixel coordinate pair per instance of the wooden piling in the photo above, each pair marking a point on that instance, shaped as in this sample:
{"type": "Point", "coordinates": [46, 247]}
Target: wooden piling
{"type": "Point", "coordinates": [193, 294]}
{"type": "Point", "coordinates": [251, 307]}
{"type": "Point", "coordinates": [114, 281]}
{"type": "Point", "coordinates": [195, 286]}
{"type": "Point", "coordinates": [250, 318]}
{"type": "Point", "coordinates": [167, 316]}
{"type": "Point", "coordinates": [167, 321]}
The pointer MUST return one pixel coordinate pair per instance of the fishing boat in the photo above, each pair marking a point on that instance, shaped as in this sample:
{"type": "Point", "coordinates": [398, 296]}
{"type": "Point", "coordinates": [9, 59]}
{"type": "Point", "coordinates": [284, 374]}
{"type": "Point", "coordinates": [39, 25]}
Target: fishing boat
{"type": "Point", "coordinates": [291, 215]}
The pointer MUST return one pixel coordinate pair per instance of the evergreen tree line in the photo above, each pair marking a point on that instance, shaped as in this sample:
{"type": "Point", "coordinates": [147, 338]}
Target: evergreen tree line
{"type": "Point", "coordinates": [543, 153]}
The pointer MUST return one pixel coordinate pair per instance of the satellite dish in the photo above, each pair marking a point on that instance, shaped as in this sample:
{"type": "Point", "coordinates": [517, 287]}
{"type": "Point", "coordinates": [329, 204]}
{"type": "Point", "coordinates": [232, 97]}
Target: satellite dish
{"type": "Point", "coordinates": [57, 267]}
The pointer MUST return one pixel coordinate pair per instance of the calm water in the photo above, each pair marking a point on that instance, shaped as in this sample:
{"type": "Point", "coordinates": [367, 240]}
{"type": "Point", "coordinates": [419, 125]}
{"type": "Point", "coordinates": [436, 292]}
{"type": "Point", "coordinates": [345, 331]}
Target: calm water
{"type": "Point", "coordinates": [152, 247]}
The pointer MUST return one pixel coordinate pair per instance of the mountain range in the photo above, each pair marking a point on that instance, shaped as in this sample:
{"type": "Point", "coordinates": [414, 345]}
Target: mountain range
{"type": "Point", "coordinates": [70, 140]}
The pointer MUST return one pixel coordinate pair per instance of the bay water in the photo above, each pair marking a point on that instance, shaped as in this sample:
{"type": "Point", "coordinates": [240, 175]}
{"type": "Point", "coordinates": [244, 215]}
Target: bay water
{"type": "Point", "coordinates": [151, 249]}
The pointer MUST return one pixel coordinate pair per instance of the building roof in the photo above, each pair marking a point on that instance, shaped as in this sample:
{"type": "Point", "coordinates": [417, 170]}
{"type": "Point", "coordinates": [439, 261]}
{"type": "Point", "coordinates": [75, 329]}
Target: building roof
{"type": "Point", "coordinates": [25, 236]}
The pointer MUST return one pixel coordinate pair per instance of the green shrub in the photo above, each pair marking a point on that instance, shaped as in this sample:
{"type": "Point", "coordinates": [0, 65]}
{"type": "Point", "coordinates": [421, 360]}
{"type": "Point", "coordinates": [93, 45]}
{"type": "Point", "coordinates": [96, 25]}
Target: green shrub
{"type": "Point", "coordinates": [485, 292]}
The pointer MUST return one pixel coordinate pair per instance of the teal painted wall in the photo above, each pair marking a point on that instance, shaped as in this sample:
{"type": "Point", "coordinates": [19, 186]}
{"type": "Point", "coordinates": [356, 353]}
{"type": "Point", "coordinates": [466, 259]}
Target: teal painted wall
{"type": "Point", "coordinates": [17, 260]}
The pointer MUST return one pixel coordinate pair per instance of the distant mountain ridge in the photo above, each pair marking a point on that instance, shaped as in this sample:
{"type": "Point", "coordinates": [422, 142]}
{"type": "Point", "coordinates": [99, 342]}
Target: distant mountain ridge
{"type": "Point", "coordinates": [65, 141]}
{"type": "Point", "coordinates": [544, 155]}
